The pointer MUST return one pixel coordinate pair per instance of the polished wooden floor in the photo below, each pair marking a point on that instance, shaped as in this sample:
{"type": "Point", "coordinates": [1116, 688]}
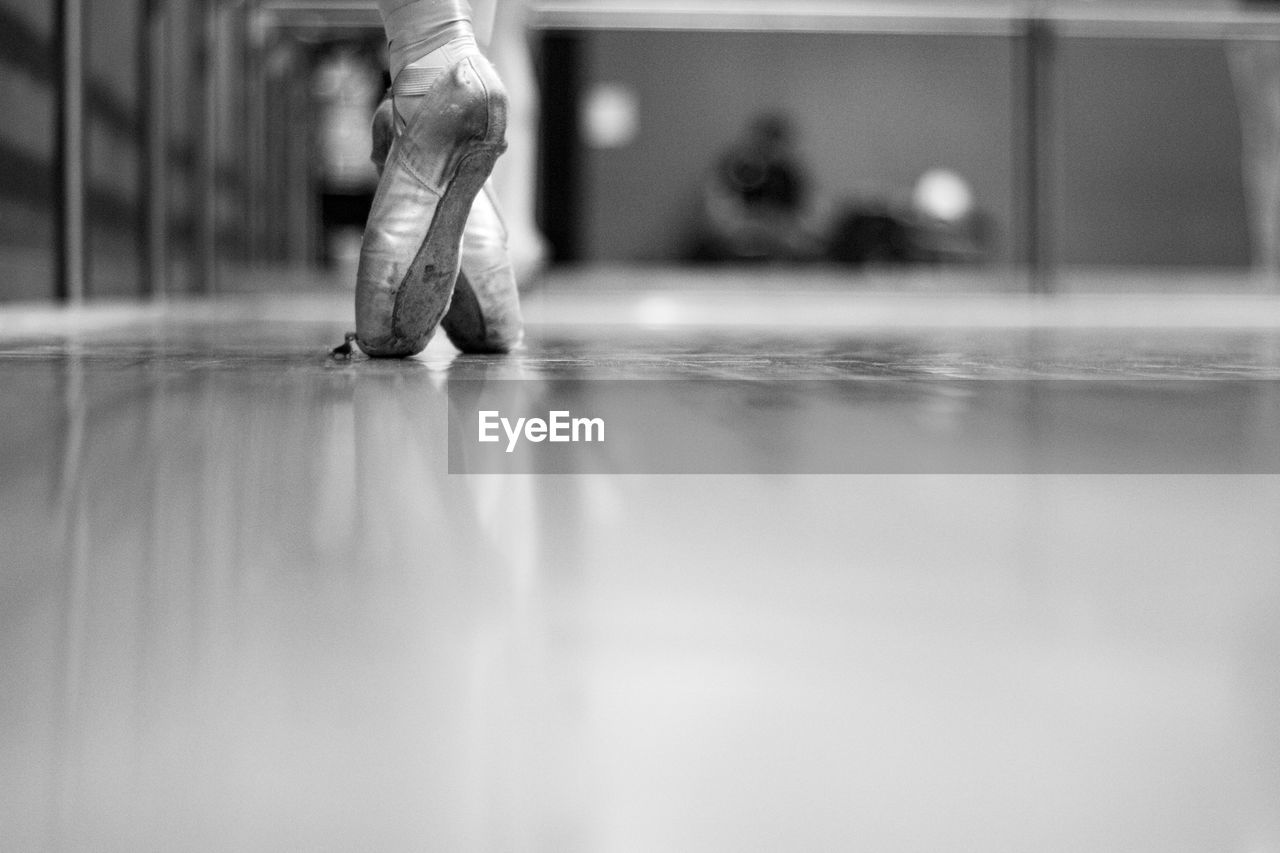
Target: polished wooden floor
{"type": "Point", "coordinates": [244, 607]}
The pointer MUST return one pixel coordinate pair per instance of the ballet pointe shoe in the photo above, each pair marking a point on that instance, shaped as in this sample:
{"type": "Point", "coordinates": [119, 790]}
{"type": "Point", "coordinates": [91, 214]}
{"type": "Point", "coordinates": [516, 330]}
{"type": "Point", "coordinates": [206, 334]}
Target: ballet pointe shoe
{"type": "Point", "coordinates": [383, 132]}
{"type": "Point", "coordinates": [484, 315]}
{"type": "Point", "coordinates": [437, 165]}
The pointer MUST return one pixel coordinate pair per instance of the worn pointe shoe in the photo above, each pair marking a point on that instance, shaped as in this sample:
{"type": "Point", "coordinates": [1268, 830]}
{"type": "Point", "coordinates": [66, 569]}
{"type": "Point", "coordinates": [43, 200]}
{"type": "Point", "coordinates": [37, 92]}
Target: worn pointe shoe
{"type": "Point", "coordinates": [383, 132]}
{"type": "Point", "coordinates": [484, 316]}
{"type": "Point", "coordinates": [434, 170]}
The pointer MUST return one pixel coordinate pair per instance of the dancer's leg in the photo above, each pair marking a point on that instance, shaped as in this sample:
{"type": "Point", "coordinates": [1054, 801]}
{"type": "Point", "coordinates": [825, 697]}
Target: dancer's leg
{"type": "Point", "coordinates": [483, 14]}
{"type": "Point", "coordinates": [416, 28]}
{"type": "Point", "coordinates": [515, 176]}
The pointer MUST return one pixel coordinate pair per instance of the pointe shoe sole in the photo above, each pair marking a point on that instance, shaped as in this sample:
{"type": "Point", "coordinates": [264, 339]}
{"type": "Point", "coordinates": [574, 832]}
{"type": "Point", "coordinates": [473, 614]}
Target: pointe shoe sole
{"type": "Point", "coordinates": [436, 167]}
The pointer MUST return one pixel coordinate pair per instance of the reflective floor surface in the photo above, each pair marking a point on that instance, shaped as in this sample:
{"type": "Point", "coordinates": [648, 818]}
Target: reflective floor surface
{"type": "Point", "coordinates": [244, 607]}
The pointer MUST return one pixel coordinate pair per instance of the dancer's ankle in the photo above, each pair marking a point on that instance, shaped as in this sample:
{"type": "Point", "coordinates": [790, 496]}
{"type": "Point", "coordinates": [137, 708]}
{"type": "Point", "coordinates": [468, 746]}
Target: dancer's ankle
{"type": "Point", "coordinates": [417, 77]}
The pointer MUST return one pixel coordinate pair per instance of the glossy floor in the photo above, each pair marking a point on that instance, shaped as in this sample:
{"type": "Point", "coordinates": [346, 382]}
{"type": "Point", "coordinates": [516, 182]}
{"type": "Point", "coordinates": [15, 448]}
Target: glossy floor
{"type": "Point", "coordinates": [243, 606]}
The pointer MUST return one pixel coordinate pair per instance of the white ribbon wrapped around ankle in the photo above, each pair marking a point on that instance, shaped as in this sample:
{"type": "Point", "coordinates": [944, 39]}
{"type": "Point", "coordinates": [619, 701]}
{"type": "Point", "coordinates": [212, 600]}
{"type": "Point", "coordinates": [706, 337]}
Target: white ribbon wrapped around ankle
{"type": "Point", "coordinates": [415, 81]}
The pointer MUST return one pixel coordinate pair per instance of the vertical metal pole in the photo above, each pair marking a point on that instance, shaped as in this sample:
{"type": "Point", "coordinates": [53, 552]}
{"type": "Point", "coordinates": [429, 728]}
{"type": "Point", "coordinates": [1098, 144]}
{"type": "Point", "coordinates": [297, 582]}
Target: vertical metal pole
{"type": "Point", "coordinates": [298, 198]}
{"type": "Point", "coordinates": [207, 145]}
{"type": "Point", "coordinates": [273, 157]}
{"type": "Point", "coordinates": [251, 209]}
{"type": "Point", "coordinates": [1033, 89]}
{"type": "Point", "coordinates": [142, 139]}
{"type": "Point", "coordinates": [237, 93]}
{"type": "Point", "coordinates": [70, 283]}
{"type": "Point", "coordinates": [155, 149]}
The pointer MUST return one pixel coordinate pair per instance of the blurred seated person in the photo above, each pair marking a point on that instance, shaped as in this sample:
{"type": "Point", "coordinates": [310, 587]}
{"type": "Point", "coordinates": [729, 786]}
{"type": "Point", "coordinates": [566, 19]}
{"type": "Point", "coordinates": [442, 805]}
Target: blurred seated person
{"type": "Point", "coordinates": [754, 201]}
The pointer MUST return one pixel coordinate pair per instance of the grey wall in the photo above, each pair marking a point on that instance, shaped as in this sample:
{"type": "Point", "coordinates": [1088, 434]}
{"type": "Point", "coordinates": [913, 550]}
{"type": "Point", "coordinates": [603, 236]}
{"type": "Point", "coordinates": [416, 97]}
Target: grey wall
{"type": "Point", "coordinates": [1149, 172]}
{"type": "Point", "coordinates": [1150, 143]}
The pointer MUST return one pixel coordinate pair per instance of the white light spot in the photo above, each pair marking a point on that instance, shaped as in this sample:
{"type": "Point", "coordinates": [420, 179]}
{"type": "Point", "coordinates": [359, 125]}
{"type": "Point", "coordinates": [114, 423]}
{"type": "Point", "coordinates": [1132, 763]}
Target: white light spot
{"type": "Point", "coordinates": [944, 195]}
{"type": "Point", "coordinates": [610, 116]}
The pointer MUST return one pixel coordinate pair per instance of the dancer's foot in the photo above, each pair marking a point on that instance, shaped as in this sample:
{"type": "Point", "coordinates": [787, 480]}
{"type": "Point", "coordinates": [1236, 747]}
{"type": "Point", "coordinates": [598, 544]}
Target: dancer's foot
{"type": "Point", "coordinates": [433, 172]}
{"type": "Point", "coordinates": [484, 315]}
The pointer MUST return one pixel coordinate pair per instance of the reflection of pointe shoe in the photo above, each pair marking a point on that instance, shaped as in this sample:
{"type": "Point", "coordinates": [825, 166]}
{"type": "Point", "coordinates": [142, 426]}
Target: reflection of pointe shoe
{"type": "Point", "coordinates": [484, 316]}
{"type": "Point", "coordinates": [432, 173]}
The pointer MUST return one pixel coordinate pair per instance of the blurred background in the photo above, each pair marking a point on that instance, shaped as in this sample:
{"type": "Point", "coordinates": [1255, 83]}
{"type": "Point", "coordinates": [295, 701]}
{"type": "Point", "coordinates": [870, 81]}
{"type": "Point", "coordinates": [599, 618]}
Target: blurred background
{"type": "Point", "coordinates": [188, 146]}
